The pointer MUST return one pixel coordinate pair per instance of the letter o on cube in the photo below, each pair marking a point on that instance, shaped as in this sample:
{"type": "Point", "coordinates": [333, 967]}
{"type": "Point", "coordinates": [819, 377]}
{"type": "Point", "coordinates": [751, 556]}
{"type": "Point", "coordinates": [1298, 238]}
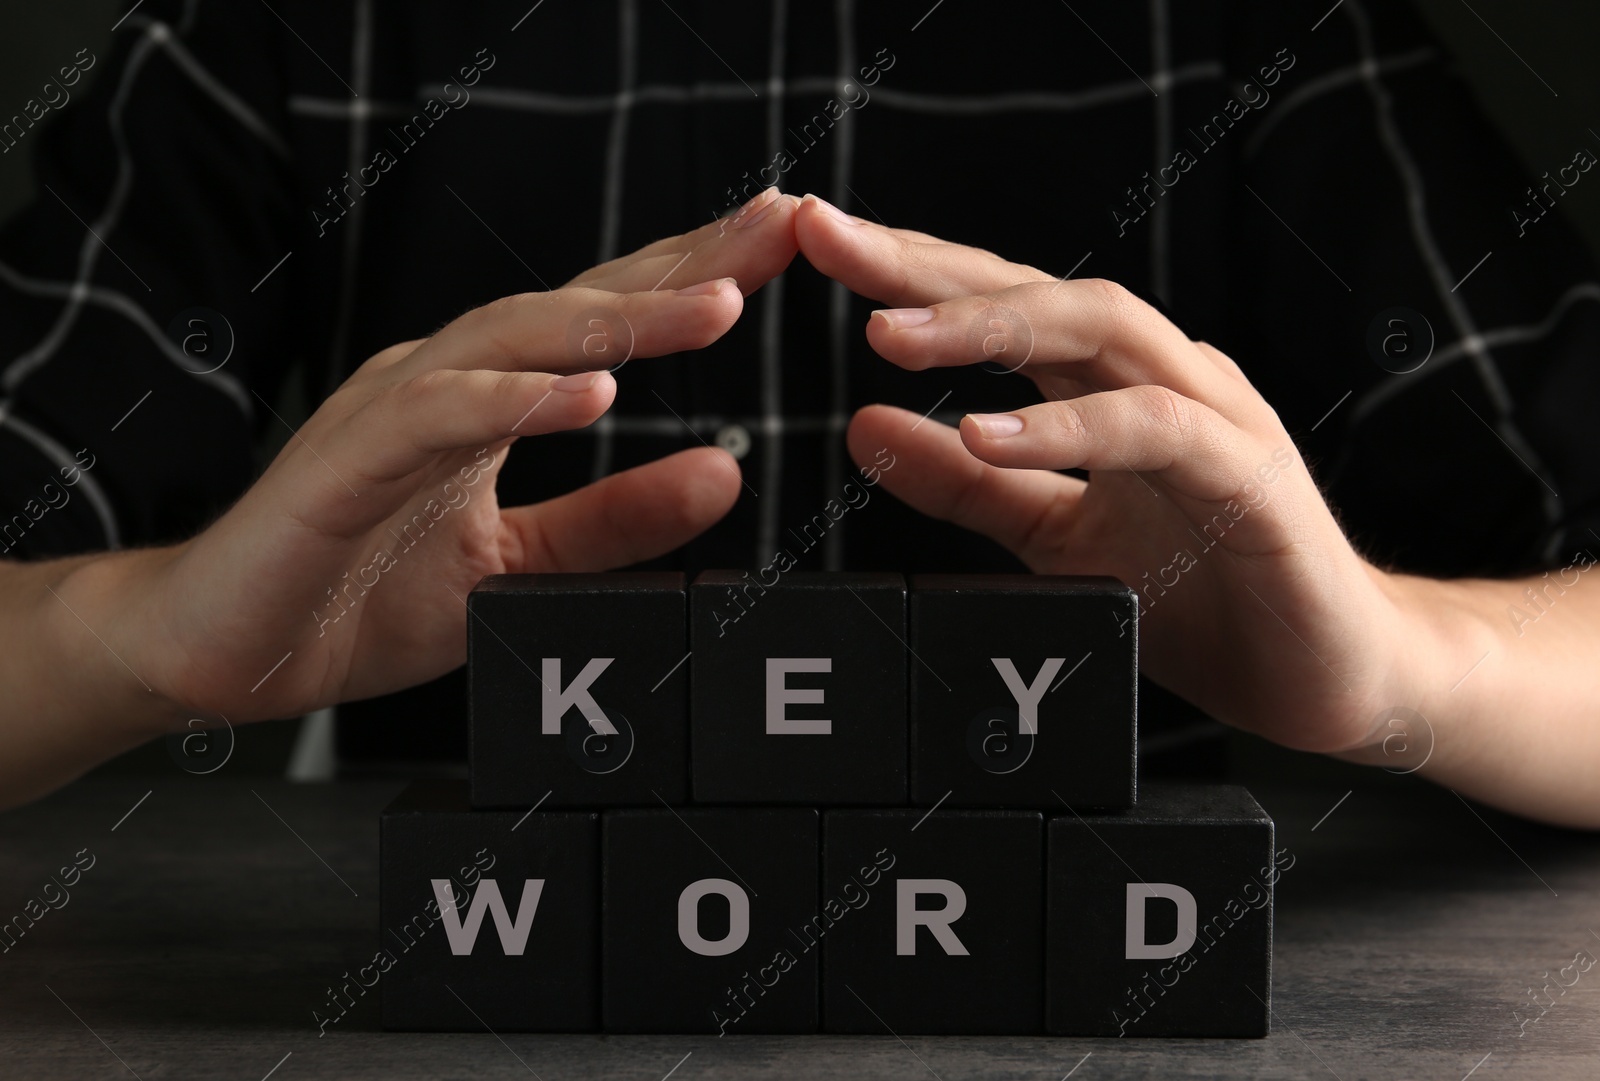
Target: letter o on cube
{"type": "Point", "coordinates": [689, 917]}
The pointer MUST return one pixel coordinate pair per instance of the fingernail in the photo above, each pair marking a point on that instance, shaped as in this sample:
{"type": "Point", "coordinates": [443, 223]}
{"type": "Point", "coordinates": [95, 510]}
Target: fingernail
{"type": "Point", "coordinates": [706, 289]}
{"type": "Point", "coordinates": [996, 425]}
{"type": "Point", "coordinates": [904, 318]}
{"type": "Point", "coordinates": [832, 210]}
{"type": "Point", "coordinates": [757, 209]}
{"type": "Point", "coordinates": [575, 384]}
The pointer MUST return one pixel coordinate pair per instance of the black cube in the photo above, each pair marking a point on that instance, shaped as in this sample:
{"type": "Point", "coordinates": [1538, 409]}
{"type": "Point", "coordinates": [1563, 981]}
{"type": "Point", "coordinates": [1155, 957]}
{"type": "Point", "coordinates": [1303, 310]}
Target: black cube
{"type": "Point", "coordinates": [578, 690]}
{"type": "Point", "coordinates": [490, 919]}
{"type": "Point", "coordinates": [935, 922]}
{"type": "Point", "coordinates": [701, 910]}
{"type": "Point", "coordinates": [798, 689]}
{"type": "Point", "coordinates": [1160, 917]}
{"type": "Point", "coordinates": [1023, 691]}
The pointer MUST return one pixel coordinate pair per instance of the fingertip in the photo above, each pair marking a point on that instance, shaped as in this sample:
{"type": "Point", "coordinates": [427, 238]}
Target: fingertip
{"type": "Point", "coordinates": [723, 302]}
{"type": "Point", "coordinates": [894, 335]}
{"type": "Point", "coordinates": [762, 212]}
{"type": "Point", "coordinates": [817, 229]}
{"type": "Point", "coordinates": [716, 484]}
{"type": "Point", "coordinates": [879, 416]}
{"type": "Point", "coordinates": [979, 444]}
{"type": "Point", "coordinates": [724, 457]}
{"type": "Point", "coordinates": [821, 206]}
{"type": "Point", "coordinates": [713, 461]}
{"type": "Point", "coordinates": [711, 288]}
{"type": "Point", "coordinates": [598, 384]}
{"type": "Point", "coordinates": [859, 432]}
{"type": "Point", "coordinates": [993, 427]}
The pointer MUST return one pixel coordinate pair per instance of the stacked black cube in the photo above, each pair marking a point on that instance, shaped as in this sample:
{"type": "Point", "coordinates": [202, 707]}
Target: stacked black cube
{"type": "Point", "coordinates": [825, 802]}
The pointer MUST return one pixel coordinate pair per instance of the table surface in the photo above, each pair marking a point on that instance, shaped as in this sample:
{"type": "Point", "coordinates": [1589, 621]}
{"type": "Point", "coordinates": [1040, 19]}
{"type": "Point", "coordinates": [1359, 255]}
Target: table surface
{"type": "Point", "coordinates": [218, 910]}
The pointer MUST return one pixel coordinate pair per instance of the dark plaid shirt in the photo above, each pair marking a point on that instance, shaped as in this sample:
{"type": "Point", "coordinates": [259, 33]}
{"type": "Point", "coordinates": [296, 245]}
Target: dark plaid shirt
{"type": "Point", "coordinates": [320, 179]}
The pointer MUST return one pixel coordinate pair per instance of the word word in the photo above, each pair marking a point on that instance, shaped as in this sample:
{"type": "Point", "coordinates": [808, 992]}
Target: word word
{"type": "Point", "coordinates": [1582, 962]}
{"type": "Point", "coordinates": [1543, 199]}
{"type": "Point", "coordinates": [1519, 616]}
{"type": "Point", "coordinates": [1189, 930]}
{"type": "Point", "coordinates": [55, 497]}
{"type": "Point", "coordinates": [53, 896]}
{"type": "Point", "coordinates": [739, 995]}
{"type": "Point", "coordinates": [855, 97]}
{"type": "Point", "coordinates": [784, 561]}
{"type": "Point", "coordinates": [1151, 187]}
{"type": "Point", "coordinates": [462, 933]}
{"type": "Point", "coordinates": [53, 96]}
{"type": "Point", "coordinates": [413, 531]}
{"type": "Point", "coordinates": [441, 909]}
{"type": "Point", "coordinates": [1233, 510]}
{"type": "Point", "coordinates": [342, 198]}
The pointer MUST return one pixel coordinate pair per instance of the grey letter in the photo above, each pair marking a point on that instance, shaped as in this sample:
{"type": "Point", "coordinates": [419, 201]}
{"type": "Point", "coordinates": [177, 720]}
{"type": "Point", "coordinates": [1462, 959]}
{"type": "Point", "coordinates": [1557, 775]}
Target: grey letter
{"type": "Point", "coordinates": [1137, 947]}
{"type": "Point", "coordinates": [1028, 697]}
{"type": "Point", "coordinates": [937, 920]}
{"type": "Point", "coordinates": [556, 702]}
{"type": "Point", "coordinates": [463, 933]}
{"type": "Point", "coordinates": [778, 695]}
{"type": "Point", "coordinates": [689, 917]}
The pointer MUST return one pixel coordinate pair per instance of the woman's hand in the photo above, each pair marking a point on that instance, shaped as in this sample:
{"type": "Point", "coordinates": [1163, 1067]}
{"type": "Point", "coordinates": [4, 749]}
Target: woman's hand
{"type": "Point", "coordinates": [1253, 605]}
{"type": "Point", "coordinates": [343, 572]}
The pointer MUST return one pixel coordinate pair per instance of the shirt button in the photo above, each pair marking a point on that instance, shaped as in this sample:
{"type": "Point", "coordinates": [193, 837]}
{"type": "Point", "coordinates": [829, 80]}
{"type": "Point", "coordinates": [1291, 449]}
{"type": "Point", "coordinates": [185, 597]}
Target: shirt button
{"type": "Point", "coordinates": [735, 439]}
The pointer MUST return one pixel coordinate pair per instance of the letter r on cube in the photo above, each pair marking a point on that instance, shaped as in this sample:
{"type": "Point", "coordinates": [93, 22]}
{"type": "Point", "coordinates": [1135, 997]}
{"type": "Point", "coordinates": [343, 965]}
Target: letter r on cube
{"type": "Point", "coordinates": [908, 917]}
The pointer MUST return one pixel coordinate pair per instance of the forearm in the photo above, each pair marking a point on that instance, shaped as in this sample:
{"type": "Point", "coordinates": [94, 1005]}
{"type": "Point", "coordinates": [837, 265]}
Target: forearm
{"type": "Point", "coordinates": [1507, 682]}
{"type": "Point", "coordinates": [71, 698]}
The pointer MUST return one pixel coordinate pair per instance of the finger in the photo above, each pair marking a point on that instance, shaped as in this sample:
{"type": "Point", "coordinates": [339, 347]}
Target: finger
{"type": "Point", "coordinates": [406, 425]}
{"type": "Point", "coordinates": [1189, 450]}
{"type": "Point", "coordinates": [579, 329]}
{"type": "Point", "coordinates": [895, 266]}
{"type": "Point", "coordinates": [1223, 361]}
{"type": "Point", "coordinates": [388, 358]}
{"type": "Point", "coordinates": [682, 242]}
{"type": "Point", "coordinates": [1092, 331]}
{"type": "Point", "coordinates": [625, 518]}
{"type": "Point", "coordinates": [1024, 510]}
{"type": "Point", "coordinates": [753, 245]}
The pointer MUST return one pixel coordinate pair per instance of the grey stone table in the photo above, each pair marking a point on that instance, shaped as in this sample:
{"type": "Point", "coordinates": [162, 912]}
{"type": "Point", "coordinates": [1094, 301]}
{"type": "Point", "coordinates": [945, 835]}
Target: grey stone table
{"type": "Point", "coordinates": [217, 911]}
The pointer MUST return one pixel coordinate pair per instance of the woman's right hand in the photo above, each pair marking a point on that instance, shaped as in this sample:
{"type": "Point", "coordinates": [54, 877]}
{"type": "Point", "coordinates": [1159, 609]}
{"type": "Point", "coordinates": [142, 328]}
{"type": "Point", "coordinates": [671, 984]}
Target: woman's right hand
{"type": "Point", "coordinates": [343, 571]}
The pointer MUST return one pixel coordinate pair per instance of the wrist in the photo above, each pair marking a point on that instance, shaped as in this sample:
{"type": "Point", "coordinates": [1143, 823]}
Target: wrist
{"type": "Point", "coordinates": [100, 612]}
{"type": "Point", "coordinates": [1435, 636]}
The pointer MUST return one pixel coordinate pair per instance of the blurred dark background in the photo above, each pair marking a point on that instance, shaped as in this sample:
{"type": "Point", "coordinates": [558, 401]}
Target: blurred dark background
{"type": "Point", "coordinates": [1530, 65]}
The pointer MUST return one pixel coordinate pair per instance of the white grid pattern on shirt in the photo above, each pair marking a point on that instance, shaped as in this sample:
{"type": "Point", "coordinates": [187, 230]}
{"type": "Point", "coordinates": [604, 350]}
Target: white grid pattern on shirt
{"type": "Point", "coordinates": [1327, 83]}
{"type": "Point", "coordinates": [1471, 339]}
{"type": "Point", "coordinates": [62, 458]}
{"type": "Point", "coordinates": [611, 199]}
{"type": "Point", "coordinates": [838, 296]}
{"type": "Point", "coordinates": [1489, 339]}
{"type": "Point", "coordinates": [1471, 344]}
{"type": "Point", "coordinates": [1160, 224]}
{"type": "Point", "coordinates": [361, 76]}
{"type": "Point", "coordinates": [771, 430]}
{"type": "Point", "coordinates": [153, 34]}
{"type": "Point", "coordinates": [536, 101]}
